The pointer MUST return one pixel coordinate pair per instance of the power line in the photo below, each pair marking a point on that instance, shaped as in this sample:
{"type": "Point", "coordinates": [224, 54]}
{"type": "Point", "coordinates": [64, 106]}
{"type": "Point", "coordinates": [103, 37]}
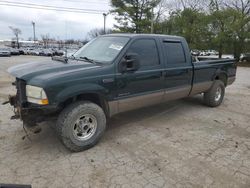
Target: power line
{"type": "Point", "coordinates": [22, 6]}
{"type": "Point", "coordinates": [91, 2]}
{"type": "Point", "coordinates": [55, 8]}
{"type": "Point", "coordinates": [48, 6]}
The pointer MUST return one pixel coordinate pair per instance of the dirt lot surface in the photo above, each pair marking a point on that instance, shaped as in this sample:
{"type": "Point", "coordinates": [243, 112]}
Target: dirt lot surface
{"type": "Point", "coordinates": [179, 144]}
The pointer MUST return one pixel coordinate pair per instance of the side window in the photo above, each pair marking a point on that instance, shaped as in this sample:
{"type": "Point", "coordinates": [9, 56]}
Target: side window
{"type": "Point", "coordinates": [174, 53]}
{"type": "Point", "coordinates": [147, 51]}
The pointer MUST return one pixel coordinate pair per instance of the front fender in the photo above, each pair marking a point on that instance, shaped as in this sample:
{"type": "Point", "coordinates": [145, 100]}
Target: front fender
{"type": "Point", "coordinates": [78, 89]}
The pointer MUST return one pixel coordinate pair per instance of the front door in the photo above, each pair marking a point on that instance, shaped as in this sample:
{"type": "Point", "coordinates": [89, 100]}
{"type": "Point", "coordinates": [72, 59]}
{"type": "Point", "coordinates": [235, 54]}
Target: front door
{"type": "Point", "coordinates": [144, 86]}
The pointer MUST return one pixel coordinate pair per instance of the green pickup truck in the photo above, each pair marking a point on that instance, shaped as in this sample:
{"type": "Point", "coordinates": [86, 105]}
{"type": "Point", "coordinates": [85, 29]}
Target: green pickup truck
{"type": "Point", "coordinates": [113, 74]}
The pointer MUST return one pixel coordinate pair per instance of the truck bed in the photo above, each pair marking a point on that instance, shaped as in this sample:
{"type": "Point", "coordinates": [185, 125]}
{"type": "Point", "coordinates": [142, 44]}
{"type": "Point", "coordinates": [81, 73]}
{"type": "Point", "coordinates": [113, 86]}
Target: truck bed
{"type": "Point", "coordinates": [205, 71]}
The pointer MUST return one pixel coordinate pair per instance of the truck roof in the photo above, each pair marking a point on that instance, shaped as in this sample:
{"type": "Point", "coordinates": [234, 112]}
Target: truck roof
{"type": "Point", "coordinates": [134, 35]}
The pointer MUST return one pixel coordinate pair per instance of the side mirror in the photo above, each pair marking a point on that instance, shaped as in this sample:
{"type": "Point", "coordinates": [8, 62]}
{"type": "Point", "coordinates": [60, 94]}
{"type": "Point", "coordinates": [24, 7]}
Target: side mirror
{"type": "Point", "coordinates": [129, 63]}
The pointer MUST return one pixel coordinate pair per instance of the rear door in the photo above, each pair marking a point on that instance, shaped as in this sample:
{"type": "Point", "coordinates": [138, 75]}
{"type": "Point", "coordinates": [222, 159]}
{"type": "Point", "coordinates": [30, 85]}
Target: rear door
{"type": "Point", "coordinates": [179, 70]}
{"type": "Point", "coordinates": [146, 85]}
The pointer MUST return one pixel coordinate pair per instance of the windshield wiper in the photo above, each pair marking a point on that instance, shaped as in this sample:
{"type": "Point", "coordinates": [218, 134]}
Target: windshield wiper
{"type": "Point", "coordinates": [87, 59]}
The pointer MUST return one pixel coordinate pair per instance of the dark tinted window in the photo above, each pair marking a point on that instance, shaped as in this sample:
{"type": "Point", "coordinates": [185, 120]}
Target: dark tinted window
{"type": "Point", "coordinates": [174, 52]}
{"type": "Point", "coordinates": [147, 51]}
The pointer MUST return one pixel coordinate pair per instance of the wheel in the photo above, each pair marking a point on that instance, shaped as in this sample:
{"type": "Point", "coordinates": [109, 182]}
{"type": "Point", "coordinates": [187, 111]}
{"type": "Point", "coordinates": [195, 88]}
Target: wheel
{"type": "Point", "coordinates": [214, 96]}
{"type": "Point", "coordinates": [81, 125]}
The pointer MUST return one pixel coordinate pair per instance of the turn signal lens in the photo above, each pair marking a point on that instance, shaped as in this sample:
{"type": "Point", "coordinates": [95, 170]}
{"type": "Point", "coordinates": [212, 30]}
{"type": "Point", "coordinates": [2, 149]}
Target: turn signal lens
{"type": "Point", "coordinates": [44, 101]}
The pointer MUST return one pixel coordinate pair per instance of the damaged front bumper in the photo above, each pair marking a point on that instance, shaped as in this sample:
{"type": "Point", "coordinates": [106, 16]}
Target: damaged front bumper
{"type": "Point", "coordinates": [13, 102]}
{"type": "Point", "coordinates": [28, 112]}
{"type": "Point", "coordinates": [17, 109]}
{"type": "Point", "coordinates": [31, 113]}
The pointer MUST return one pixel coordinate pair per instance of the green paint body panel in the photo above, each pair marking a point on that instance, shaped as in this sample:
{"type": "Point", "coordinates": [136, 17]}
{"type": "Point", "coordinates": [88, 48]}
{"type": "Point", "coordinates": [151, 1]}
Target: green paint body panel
{"type": "Point", "coordinates": [62, 81]}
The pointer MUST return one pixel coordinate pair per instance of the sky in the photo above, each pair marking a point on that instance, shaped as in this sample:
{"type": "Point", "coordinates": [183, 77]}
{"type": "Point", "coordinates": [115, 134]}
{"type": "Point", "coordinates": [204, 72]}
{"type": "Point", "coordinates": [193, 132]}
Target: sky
{"type": "Point", "coordinates": [58, 24]}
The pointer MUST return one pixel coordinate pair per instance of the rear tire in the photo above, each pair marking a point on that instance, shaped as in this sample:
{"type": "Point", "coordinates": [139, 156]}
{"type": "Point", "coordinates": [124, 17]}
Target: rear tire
{"type": "Point", "coordinates": [214, 96]}
{"type": "Point", "coordinates": [81, 125]}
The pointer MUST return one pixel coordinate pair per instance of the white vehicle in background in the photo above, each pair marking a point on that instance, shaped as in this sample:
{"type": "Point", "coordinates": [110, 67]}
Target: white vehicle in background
{"type": "Point", "coordinates": [28, 51]}
{"type": "Point", "coordinates": [228, 56]}
{"type": "Point", "coordinates": [14, 51]}
{"type": "Point", "coordinates": [4, 52]}
{"type": "Point", "coordinates": [33, 52]}
{"type": "Point", "coordinates": [203, 53]}
{"type": "Point", "coordinates": [195, 52]}
{"type": "Point", "coordinates": [212, 52]}
{"type": "Point", "coordinates": [209, 53]}
{"type": "Point", "coordinates": [45, 52]}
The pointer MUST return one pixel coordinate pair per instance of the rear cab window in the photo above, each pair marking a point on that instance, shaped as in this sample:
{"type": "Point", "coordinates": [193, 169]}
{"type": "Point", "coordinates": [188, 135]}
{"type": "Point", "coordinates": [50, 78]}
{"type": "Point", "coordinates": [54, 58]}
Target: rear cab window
{"type": "Point", "coordinates": [174, 53]}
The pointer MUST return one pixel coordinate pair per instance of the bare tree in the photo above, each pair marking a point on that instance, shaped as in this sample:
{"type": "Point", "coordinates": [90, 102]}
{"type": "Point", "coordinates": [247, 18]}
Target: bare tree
{"type": "Point", "coordinates": [93, 33]}
{"type": "Point", "coordinates": [45, 39]}
{"type": "Point", "coordinates": [160, 11]}
{"type": "Point", "coordinates": [16, 32]}
{"type": "Point", "coordinates": [174, 5]}
{"type": "Point", "coordinates": [241, 5]}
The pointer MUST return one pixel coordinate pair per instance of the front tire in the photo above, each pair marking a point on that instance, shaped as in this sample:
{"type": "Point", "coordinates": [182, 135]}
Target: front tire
{"type": "Point", "coordinates": [81, 125]}
{"type": "Point", "coordinates": [214, 96]}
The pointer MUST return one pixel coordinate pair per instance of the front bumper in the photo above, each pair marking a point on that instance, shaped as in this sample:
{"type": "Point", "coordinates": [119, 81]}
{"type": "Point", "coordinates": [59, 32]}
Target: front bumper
{"type": "Point", "coordinates": [27, 111]}
{"type": "Point", "coordinates": [31, 111]}
{"type": "Point", "coordinates": [17, 109]}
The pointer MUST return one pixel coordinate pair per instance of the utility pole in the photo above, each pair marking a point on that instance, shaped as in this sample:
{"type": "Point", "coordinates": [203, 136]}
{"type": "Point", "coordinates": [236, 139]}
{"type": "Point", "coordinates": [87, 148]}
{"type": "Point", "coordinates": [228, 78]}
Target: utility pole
{"type": "Point", "coordinates": [152, 20]}
{"type": "Point", "coordinates": [104, 24]}
{"type": "Point", "coordinates": [34, 30]}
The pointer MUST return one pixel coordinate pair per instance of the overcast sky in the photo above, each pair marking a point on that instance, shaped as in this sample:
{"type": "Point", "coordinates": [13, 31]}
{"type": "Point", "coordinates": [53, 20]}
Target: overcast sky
{"type": "Point", "coordinates": [57, 24]}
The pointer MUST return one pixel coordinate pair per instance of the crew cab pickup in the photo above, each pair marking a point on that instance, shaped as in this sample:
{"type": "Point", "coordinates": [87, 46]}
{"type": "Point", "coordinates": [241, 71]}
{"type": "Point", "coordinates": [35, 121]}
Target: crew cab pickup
{"type": "Point", "coordinates": [113, 74]}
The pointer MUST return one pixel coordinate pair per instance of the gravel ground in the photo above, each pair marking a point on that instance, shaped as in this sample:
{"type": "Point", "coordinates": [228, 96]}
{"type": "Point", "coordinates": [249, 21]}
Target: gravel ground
{"type": "Point", "coordinates": [179, 144]}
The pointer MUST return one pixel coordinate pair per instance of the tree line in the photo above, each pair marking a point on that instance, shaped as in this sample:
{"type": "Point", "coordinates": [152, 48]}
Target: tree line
{"type": "Point", "coordinates": [223, 25]}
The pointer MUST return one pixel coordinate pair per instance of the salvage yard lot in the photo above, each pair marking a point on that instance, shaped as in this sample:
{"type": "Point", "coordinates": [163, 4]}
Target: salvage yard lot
{"type": "Point", "coordinates": [178, 144]}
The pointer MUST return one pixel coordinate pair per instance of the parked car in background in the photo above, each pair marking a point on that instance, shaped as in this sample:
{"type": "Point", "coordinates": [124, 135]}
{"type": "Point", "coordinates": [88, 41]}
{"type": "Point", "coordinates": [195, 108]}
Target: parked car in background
{"type": "Point", "coordinates": [26, 51]}
{"type": "Point", "coordinates": [212, 52]}
{"type": "Point", "coordinates": [203, 53]}
{"type": "Point", "coordinates": [34, 52]}
{"type": "Point", "coordinates": [208, 53]}
{"type": "Point", "coordinates": [48, 52]}
{"type": "Point", "coordinates": [195, 52]}
{"type": "Point", "coordinates": [245, 57]}
{"type": "Point", "coordinates": [228, 56]}
{"type": "Point", "coordinates": [58, 52]}
{"type": "Point", "coordinates": [21, 51]}
{"type": "Point", "coordinates": [4, 52]}
{"type": "Point", "coordinates": [45, 52]}
{"type": "Point", "coordinates": [14, 51]}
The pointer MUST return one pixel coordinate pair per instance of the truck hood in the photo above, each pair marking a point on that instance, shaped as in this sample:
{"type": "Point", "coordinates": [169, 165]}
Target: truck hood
{"type": "Point", "coordinates": [48, 69]}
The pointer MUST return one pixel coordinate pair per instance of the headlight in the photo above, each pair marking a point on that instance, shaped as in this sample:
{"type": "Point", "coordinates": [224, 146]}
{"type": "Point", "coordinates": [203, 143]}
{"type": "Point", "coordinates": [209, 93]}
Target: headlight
{"type": "Point", "coordinates": [36, 95]}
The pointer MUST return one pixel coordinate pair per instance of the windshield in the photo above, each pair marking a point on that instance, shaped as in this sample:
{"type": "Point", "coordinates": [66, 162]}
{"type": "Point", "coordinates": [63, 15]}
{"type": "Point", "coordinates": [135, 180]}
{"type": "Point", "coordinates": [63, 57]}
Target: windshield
{"type": "Point", "coordinates": [102, 49]}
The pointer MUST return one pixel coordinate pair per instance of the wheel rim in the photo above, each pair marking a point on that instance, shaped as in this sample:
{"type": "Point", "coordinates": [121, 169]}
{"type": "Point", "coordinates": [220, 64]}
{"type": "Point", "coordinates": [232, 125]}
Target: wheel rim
{"type": "Point", "coordinates": [218, 94]}
{"type": "Point", "coordinates": [85, 127]}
